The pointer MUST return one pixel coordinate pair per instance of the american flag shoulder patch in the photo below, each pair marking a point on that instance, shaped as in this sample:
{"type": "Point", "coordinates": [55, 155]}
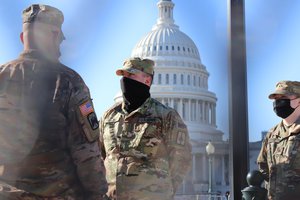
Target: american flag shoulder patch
{"type": "Point", "coordinates": [86, 108]}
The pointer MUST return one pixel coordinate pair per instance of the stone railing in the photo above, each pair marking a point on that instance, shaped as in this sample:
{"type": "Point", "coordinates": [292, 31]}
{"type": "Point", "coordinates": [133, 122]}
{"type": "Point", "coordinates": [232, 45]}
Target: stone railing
{"type": "Point", "coordinates": [201, 197]}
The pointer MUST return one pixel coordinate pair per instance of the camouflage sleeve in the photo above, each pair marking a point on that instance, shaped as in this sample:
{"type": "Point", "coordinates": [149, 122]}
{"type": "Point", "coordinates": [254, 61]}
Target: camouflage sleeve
{"type": "Point", "coordinates": [83, 141]}
{"type": "Point", "coordinates": [179, 148]}
{"type": "Point", "coordinates": [262, 159]}
{"type": "Point", "coordinates": [101, 143]}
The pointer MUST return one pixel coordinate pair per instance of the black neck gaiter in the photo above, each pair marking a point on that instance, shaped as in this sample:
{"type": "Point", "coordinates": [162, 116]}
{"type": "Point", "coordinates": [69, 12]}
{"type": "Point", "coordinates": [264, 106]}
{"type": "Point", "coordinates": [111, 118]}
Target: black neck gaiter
{"type": "Point", "coordinates": [134, 93]}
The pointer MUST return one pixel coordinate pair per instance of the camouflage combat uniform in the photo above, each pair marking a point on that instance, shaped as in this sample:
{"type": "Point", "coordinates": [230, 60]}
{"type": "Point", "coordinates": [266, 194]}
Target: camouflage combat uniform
{"type": "Point", "coordinates": [146, 153]}
{"type": "Point", "coordinates": [48, 132]}
{"type": "Point", "coordinates": [279, 158]}
{"type": "Point", "coordinates": [279, 161]}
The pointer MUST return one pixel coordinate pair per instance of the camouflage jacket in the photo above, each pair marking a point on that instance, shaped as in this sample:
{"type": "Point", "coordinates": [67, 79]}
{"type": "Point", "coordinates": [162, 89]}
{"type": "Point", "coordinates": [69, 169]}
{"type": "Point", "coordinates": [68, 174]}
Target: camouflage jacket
{"type": "Point", "coordinates": [279, 161]}
{"type": "Point", "coordinates": [146, 153]}
{"type": "Point", "coordinates": [48, 130]}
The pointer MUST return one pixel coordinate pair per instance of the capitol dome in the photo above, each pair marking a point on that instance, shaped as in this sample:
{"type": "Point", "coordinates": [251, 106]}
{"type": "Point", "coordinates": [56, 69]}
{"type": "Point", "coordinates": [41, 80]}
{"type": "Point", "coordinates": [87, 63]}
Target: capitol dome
{"type": "Point", "coordinates": [180, 80]}
{"type": "Point", "coordinates": [167, 40]}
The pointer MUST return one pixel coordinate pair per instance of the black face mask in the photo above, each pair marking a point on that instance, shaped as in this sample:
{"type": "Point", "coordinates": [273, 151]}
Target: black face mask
{"type": "Point", "coordinates": [134, 93]}
{"type": "Point", "coordinates": [282, 108]}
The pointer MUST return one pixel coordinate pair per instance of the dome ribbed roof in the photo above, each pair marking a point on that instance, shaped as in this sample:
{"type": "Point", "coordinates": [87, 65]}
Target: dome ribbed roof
{"type": "Point", "coordinates": [166, 38]}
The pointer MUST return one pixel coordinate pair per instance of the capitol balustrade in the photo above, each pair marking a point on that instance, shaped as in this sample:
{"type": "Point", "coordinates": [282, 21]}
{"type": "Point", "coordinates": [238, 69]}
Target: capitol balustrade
{"type": "Point", "coordinates": [201, 197]}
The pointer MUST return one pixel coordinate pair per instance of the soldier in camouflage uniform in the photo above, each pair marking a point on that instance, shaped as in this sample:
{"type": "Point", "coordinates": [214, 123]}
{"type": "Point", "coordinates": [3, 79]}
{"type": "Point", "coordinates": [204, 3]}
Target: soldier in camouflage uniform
{"type": "Point", "coordinates": [279, 158]}
{"type": "Point", "coordinates": [145, 144]}
{"type": "Point", "coordinates": [48, 128]}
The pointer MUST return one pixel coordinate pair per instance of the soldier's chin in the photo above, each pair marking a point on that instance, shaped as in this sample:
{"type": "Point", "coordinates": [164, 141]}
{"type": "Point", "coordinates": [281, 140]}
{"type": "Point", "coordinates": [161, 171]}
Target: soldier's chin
{"type": "Point", "coordinates": [53, 56]}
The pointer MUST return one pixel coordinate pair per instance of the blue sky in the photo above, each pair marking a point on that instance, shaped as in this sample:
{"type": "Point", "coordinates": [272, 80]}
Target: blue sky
{"type": "Point", "coordinates": [102, 33]}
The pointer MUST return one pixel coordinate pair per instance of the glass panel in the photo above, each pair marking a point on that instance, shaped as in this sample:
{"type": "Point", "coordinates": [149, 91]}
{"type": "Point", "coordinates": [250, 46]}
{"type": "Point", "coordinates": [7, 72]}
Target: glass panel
{"type": "Point", "coordinates": [97, 48]}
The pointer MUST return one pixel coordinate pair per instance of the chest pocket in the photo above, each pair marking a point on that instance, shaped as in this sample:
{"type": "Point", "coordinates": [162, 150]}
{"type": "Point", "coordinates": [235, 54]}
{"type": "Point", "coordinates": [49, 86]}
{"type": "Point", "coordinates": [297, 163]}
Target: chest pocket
{"type": "Point", "coordinates": [292, 150]}
{"type": "Point", "coordinates": [111, 134]}
{"type": "Point", "coordinates": [272, 147]}
{"type": "Point", "coordinates": [283, 151]}
{"type": "Point", "coordinates": [149, 136]}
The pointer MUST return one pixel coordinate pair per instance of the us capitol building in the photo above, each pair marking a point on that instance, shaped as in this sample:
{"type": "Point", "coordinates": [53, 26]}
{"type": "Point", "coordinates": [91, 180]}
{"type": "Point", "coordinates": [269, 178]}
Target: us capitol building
{"type": "Point", "coordinates": [181, 82]}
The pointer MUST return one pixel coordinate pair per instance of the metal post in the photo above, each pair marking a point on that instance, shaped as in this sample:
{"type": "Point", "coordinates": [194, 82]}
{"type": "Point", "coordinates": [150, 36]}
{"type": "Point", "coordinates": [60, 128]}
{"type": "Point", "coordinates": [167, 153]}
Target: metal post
{"type": "Point", "coordinates": [238, 98]}
{"type": "Point", "coordinates": [210, 176]}
{"type": "Point", "coordinates": [210, 149]}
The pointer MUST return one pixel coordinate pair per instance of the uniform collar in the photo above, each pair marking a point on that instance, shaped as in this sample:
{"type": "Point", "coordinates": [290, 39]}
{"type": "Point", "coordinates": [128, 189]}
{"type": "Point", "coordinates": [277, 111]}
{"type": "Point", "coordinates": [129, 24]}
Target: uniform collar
{"type": "Point", "coordinates": [283, 131]}
{"type": "Point", "coordinates": [295, 128]}
{"type": "Point", "coordinates": [142, 109]}
{"type": "Point", "coordinates": [35, 54]}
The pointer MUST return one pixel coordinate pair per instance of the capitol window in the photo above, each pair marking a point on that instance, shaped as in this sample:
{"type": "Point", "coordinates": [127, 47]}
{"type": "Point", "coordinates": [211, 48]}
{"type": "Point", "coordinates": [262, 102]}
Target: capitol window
{"type": "Point", "coordinates": [174, 79]}
{"type": "Point", "coordinates": [160, 47]}
{"type": "Point", "coordinates": [159, 78]}
{"type": "Point", "coordinates": [173, 48]}
{"type": "Point", "coordinates": [154, 48]}
{"type": "Point", "coordinates": [167, 48]}
{"type": "Point", "coordinates": [183, 48]}
{"type": "Point", "coordinates": [194, 81]}
{"type": "Point", "coordinates": [178, 48]}
{"type": "Point", "coordinates": [199, 81]}
{"type": "Point", "coordinates": [189, 80]}
{"type": "Point", "coordinates": [182, 79]}
{"type": "Point", "coordinates": [167, 78]}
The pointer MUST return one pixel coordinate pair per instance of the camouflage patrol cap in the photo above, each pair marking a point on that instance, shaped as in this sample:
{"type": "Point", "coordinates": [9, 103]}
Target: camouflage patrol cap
{"type": "Point", "coordinates": [43, 13]}
{"type": "Point", "coordinates": [286, 88]}
{"type": "Point", "coordinates": [136, 65]}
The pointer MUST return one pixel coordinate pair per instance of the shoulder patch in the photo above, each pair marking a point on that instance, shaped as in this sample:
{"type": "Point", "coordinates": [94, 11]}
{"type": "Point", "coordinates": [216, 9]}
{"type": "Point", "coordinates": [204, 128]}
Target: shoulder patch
{"type": "Point", "coordinates": [88, 120]}
{"type": "Point", "coordinates": [93, 121]}
{"type": "Point", "coordinates": [86, 108]}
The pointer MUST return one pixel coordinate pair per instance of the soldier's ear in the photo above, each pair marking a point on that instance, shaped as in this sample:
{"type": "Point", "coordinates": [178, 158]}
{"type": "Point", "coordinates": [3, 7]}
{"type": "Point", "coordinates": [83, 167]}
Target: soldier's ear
{"type": "Point", "coordinates": [21, 37]}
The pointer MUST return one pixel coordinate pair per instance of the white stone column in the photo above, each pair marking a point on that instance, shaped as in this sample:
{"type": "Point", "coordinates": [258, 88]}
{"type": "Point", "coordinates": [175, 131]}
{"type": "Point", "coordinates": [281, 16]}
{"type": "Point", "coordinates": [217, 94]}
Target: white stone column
{"type": "Point", "coordinates": [214, 112]}
{"type": "Point", "coordinates": [163, 101]}
{"type": "Point", "coordinates": [211, 113]}
{"type": "Point", "coordinates": [172, 103]}
{"type": "Point", "coordinates": [223, 170]}
{"type": "Point", "coordinates": [197, 111]}
{"type": "Point", "coordinates": [203, 111]}
{"type": "Point", "coordinates": [207, 112]}
{"type": "Point", "coordinates": [189, 116]}
{"type": "Point", "coordinates": [180, 107]}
